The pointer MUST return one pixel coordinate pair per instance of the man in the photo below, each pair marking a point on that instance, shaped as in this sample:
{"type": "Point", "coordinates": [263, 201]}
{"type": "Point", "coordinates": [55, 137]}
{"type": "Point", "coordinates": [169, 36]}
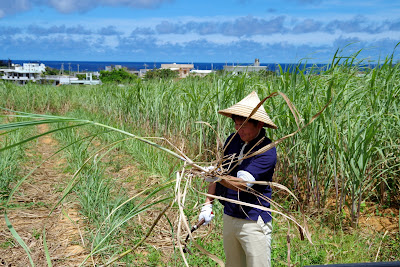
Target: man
{"type": "Point", "coordinates": [247, 230]}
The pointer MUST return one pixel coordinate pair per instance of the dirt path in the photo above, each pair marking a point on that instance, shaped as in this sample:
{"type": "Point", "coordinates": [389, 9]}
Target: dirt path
{"type": "Point", "coordinates": [33, 202]}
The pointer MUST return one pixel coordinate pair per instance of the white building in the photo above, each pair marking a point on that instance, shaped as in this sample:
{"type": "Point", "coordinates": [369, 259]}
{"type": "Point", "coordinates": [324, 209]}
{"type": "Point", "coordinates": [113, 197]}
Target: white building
{"type": "Point", "coordinates": [22, 74]}
{"type": "Point", "coordinates": [201, 73]}
{"type": "Point", "coordinates": [142, 72]}
{"type": "Point", "coordinates": [238, 69]}
{"type": "Point", "coordinates": [67, 79]}
{"type": "Point", "coordinates": [33, 72]}
{"type": "Point", "coordinates": [182, 69]}
{"type": "Point", "coordinates": [74, 80]}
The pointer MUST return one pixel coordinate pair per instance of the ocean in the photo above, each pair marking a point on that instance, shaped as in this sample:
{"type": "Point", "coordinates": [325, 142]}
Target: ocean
{"type": "Point", "coordinates": [91, 66]}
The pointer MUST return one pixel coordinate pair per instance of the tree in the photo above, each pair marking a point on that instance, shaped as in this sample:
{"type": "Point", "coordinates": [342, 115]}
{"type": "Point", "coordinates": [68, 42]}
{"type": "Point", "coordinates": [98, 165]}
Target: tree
{"type": "Point", "coordinates": [161, 74]}
{"type": "Point", "coordinates": [51, 71]}
{"type": "Point", "coordinates": [117, 76]}
{"type": "Point", "coordinates": [81, 76]}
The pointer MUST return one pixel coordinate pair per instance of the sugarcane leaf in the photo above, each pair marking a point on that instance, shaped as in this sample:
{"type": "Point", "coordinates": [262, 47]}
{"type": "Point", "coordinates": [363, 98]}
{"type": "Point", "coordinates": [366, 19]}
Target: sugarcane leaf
{"type": "Point", "coordinates": [18, 238]}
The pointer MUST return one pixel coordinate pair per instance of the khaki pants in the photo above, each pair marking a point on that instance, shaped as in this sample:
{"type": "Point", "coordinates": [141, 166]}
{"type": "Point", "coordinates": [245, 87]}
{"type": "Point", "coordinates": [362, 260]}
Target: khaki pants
{"type": "Point", "coordinates": [247, 243]}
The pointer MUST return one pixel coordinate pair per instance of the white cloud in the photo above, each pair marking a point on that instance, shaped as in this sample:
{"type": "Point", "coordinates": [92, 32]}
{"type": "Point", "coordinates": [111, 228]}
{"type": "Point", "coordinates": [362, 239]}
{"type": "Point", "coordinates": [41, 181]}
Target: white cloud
{"type": "Point", "coordinates": [180, 38]}
{"type": "Point", "coordinates": [13, 6]}
{"type": "Point", "coordinates": [68, 6]}
{"type": "Point", "coordinates": [278, 48]}
{"type": "Point", "coordinates": [8, 7]}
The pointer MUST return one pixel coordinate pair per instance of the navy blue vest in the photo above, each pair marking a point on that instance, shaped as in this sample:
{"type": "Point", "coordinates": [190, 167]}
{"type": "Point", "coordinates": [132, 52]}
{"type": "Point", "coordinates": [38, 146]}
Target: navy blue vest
{"type": "Point", "coordinates": [261, 167]}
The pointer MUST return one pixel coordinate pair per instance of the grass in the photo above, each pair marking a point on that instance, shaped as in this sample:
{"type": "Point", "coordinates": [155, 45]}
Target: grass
{"type": "Point", "coordinates": [334, 247]}
{"type": "Point", "coordinates": [10, 160]}
{"type": "Point", "coordinates": [105, 205]}
{"type": "Point", "coordinates": [347, 157]}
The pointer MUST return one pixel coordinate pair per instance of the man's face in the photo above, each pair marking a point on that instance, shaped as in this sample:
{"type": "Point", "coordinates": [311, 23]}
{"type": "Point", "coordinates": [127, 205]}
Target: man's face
{"type": "Point", "coordinates": [249, 131]}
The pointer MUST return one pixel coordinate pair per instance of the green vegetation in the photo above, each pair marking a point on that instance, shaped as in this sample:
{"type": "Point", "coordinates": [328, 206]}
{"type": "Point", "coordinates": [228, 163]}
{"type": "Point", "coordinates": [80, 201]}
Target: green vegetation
{"type": "Point", "coordinates": [81, 76]}
{"type": "Point", "coordinates": [10, 160]}
{"type": "Point", "coordinates": [344, 166]}
{"type": "Point", "coordinates": [51, 71]}
{"type": "Point", "coordinates": [117, 76]}
{"type": "Point", "coordinates": [161, 74]}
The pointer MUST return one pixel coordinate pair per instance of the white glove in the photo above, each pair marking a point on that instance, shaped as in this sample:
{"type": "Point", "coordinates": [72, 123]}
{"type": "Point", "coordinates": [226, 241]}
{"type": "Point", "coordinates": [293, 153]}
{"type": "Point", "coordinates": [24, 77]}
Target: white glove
{"type": "Point", "coordinates": [206, 214]}
{"type": "Point", "coordinates": [209, 168]}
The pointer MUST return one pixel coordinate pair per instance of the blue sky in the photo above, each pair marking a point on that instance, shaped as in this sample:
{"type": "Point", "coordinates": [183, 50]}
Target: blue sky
{"type": "Point", "coordinates": [231, 31]}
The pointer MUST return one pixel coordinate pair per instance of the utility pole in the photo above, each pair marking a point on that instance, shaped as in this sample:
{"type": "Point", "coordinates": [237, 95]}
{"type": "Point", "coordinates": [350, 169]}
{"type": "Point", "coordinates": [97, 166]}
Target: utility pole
{"type": "Point", "coordinates": [78, 68]}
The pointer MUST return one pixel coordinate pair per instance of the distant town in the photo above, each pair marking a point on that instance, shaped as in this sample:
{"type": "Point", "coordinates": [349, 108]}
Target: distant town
{"type": "Point", "coordinates": [39, 73]}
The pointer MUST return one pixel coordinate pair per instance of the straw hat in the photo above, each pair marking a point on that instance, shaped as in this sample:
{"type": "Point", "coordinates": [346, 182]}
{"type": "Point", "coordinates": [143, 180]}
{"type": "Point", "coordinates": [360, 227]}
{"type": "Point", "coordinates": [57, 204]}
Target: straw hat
{"type": "Point", "coordinates": [245, 107]}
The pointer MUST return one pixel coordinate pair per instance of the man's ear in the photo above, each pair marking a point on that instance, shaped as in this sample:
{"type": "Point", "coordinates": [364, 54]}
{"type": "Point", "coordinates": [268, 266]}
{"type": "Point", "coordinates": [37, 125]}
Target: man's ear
{"type": "Point", "coordinates": [260, 124]}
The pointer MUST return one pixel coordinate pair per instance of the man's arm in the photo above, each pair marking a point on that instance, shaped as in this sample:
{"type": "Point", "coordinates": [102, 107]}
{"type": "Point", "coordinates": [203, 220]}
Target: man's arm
{"type": "Point", "coordinates": [233, 183]}
{"type": "Point", "coordinates": [211, 191]}
{"type": "Point", "coordinates": [256, 170]}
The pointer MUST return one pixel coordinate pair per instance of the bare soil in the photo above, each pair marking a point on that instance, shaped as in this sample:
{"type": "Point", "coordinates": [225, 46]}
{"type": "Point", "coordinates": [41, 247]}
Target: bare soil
{"type": "Point", "coordinates": [36, 197]}
{"type": "Point", "coordinates": [30, 210]}
{"type": "Point", "coordinates": [65, 227]}
{"type": "Point", "coordinates": [387, 220]}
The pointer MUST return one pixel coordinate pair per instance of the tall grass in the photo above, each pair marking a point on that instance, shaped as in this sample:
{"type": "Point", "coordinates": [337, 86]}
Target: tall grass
{"type": "Point", "coordinates": [10, 160]}
{"type": "Point", "coordinates": [105, 204]}
{"type": "Point", "coordinates": [324, 155]}
{"type": "Point", "coordinates": [348, 156]}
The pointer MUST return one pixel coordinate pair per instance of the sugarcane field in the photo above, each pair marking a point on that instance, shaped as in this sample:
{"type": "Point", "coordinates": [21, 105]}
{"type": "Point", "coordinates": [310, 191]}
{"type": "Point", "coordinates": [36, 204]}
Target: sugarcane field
{"type": "Point", "coordinates": [115, 174]}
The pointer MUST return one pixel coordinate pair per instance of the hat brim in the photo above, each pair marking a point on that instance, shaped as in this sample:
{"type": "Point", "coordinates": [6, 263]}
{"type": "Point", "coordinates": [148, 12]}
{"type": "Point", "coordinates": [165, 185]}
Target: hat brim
{"type": "Point", "coordinates": [245, 111]}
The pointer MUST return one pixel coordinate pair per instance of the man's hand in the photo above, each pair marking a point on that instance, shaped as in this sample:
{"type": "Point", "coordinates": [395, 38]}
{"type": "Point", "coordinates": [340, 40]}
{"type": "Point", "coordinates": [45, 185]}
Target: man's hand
{"type": "Point", "coordinates": [206, 214]}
